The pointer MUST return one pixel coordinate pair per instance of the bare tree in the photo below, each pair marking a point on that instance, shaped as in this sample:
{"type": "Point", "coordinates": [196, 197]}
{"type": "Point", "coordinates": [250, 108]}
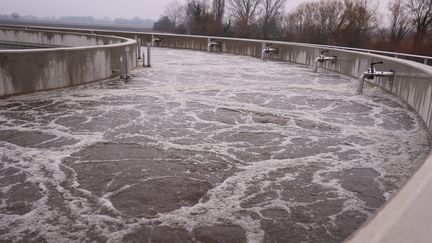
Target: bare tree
{"type": "Point", "coordinates": [244, 13]}
{"type": "Point", "coordinates": [197, 16]}
{"type": "Point", "coordinates": [300, 23]}
{"type": "Point", "coordinates": [293, 25]}
{"type": "Point", "coordinates": [218, 9]}
{"type": "Point", "coordinates": [164, 24]}
{"type": "Point", "coordinates": [217, 26]}
{"type": "Point", "coordinates": [175, 12]}
{"type": "Point", "coordinates": [15, 15]}
{"type": "Point", "coordinates": [326, 18]}
{"type": "Point", "coordinates": [271, 13]}
{"type": "Point", "coordinates": [399, 21]}
{"type": "Point", "coordinates": [315, 22]}
{"type": "Point", "coordinates": [421, 12]}
{"type": "Point", "coordinates": [340, 22]}
{"type": "Point", "coordinates": [355, 22]}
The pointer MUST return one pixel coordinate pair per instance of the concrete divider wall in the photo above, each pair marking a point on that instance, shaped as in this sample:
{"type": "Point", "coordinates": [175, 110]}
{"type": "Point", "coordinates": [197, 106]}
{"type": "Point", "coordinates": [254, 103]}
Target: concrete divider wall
{"type": "Point", "coordinates": [95, 58]}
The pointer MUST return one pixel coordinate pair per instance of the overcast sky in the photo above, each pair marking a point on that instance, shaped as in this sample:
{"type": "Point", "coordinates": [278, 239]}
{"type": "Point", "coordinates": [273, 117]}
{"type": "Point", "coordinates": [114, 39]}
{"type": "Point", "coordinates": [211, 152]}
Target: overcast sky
{"type": "Point", "coordinates": [98, 8]}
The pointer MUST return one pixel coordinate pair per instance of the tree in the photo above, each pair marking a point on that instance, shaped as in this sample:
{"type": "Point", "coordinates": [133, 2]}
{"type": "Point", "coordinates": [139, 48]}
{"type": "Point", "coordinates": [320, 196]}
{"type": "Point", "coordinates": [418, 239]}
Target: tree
{"type": "Point", "coordinates": [216, 25]}
{"type": "Point", "coordinates": [243, 12]}
{"type": "Point", "coordinates": [175, 12]}
{"type": "Point", "coordinates": [164, 24]}
{"type": "Point", "coordinates": [271, 14]}
{"type": "Point", "coordinates": [300, 26]}
{"type": "Point", "coordinates": [354, 23]}
{"type": "Point", "coordinates": [218, 10]}
{"type": "Point", "coordinates": [15, 15]}
{"type": "Point", "coordinates": [399, 21]}
{"type": "Point", "coordinates": [197, 16]}
{"type": "Point", "coordinates": [315, 22]}
{"type": "Point", "coordinates": [421, 12]}
{"type": "Point", "coordinates": [326, 19]}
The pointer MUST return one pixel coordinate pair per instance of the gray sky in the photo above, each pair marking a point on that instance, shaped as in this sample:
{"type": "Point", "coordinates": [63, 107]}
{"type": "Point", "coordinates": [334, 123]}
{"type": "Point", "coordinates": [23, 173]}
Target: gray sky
{"type": "Point", "coordinates": [98, 8]}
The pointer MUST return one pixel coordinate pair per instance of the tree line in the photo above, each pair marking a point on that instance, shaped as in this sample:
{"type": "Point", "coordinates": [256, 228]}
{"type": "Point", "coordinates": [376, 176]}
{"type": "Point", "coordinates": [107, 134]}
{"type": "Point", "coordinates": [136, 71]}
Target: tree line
{"type": "Point", "coordinates": [81, 20]}
{"type": "Point", "coordinates": [354, 23]}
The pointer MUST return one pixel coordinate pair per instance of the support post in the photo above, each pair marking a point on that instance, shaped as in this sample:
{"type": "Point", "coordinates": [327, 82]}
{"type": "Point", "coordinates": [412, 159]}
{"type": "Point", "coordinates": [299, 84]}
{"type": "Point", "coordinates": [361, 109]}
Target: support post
{"type": "Point", "coordinates": [148, 63]}
{"type": "Point", "coordinates": [139, 48]}
{"type": "Point", "coordinates": [263, 45]}
{"type": "Point", "coordinates": [127, 76]}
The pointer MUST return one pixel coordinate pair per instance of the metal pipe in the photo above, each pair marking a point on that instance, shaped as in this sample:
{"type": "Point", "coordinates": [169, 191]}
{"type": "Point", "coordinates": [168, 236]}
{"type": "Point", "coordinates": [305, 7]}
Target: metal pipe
{"type": "Point", "coordinates": [268, 49]}
{"type": "Point", "coordinates": [212, 44]}
{"type": "Point", "coordinates": [156, 40]}
{"type": "Point", "coordinates": [323, 58]}
{"type": "Point", "coordinates": [371, 73]}
{"type": "Point", "coordinates": [388, 74]}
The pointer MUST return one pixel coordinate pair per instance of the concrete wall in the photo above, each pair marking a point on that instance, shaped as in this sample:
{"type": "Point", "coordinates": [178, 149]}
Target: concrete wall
{"type": "Point", "coordinates": [91, 58]}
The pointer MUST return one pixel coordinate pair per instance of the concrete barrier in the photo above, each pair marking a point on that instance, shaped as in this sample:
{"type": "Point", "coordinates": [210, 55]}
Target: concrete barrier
{"type": "Point", "coordinates": [83, 58]}
{"type": "Point", "coordinates": [407, 217]}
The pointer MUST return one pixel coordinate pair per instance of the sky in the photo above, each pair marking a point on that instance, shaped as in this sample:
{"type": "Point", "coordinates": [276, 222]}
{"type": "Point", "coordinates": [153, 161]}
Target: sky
{"type": "Point", "coordinates": [100, 8]}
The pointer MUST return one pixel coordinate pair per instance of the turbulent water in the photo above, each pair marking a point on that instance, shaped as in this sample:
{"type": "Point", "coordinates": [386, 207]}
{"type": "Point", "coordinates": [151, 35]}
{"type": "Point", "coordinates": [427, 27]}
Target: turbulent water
{"type": "Point", "coordinates": [203, 148]}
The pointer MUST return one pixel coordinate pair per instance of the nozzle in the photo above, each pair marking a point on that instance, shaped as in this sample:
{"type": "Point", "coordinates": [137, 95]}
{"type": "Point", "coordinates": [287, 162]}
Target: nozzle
{"type": "Point", "coordinates": [374, 63]}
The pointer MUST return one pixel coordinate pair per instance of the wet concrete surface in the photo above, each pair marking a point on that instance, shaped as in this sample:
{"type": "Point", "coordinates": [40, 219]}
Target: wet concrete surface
{"type": "Point", "coordinates": [203, 148]}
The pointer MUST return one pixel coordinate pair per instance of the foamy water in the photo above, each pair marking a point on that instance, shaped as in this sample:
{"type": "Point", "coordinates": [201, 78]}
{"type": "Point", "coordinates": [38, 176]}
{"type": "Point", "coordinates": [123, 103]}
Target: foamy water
{"type": "Point", "coordinates": [203, 147]}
